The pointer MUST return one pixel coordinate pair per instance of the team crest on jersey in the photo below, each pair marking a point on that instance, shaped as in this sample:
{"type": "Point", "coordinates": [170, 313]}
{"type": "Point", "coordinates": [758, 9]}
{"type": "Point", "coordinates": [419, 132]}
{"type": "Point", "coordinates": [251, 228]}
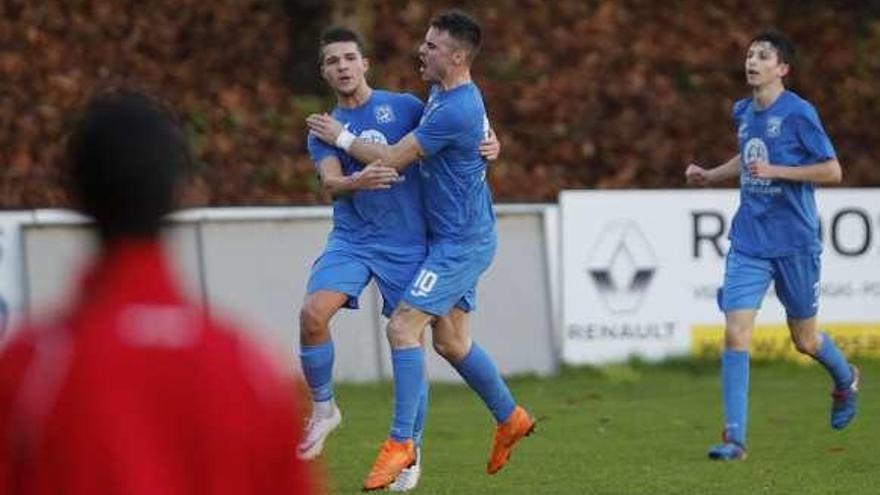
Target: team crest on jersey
{"type": "Point", "coordinates": [774, 127]}
{"type": "Point", "coordinates": [384, 114]}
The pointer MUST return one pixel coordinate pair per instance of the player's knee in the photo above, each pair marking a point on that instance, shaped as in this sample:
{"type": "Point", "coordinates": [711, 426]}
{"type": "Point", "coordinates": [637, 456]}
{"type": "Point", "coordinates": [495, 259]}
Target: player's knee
{"type": "Point", "coordinates": [313, 325]}
{"type": "Point", "coordinates": [809, 346]}
{"type": "Point", "coordinates": [401, 335]}
{"type": "Point", "coordinates": [737, 338]}
{"type": "Point", "coordinates": [452, 350]}
{"type": "Point", "coordinates": [440, 347]}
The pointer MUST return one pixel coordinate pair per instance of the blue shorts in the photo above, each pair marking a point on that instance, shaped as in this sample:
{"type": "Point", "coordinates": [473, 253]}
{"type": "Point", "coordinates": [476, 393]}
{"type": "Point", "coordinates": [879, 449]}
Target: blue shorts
{"type": "Point", "coordinates": [448, 277]}
{"type": "Point", "coordinates": [348, 269]}
{"type": "Point", "coordinates": [795, 278]}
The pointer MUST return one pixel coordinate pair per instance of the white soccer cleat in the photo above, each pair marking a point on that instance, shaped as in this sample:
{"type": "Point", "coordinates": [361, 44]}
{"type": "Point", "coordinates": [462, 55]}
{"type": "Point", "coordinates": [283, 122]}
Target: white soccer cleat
{"type": "Point", "coordinates": [318, 429]}
{"type": "Point", "coordinates": [409, 477]}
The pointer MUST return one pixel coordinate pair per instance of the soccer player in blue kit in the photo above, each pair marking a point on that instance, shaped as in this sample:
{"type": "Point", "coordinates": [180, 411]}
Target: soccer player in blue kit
{"type": "Point", "coordinates": [461, 242]}
{"type": "Point", "coordinates": [783, 152]}
{"type": "Point", "coordinates": [378, 228]}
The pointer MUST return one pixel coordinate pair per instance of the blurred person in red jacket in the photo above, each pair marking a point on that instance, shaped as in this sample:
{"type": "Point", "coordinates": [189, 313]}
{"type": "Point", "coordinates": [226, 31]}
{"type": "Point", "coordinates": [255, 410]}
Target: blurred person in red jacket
{"type": "Point", "coordinates": [133, 389]}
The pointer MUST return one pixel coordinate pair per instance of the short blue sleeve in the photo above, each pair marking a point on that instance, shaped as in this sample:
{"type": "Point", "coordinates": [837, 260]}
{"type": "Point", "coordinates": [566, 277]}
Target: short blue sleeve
{"type": "Point", "coordinates": [318, 150]}
{"type": "Point", "coordinates": [739, 108]}
{"type": "Point", "coordinates": [812, 135]}
{"type": "Point", "coordinates": [444, 124]}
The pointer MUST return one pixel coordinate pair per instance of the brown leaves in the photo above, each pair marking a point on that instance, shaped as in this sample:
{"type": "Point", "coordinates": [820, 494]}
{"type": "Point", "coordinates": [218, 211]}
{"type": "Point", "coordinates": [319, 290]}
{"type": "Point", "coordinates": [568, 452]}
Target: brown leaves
{"type": "Point", "coordinates": [599, 93]}
{"type": "Point", "coordinates": [218, 63]}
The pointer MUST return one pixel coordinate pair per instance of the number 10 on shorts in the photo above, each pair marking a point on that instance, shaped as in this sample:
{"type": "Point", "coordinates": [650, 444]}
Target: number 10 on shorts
{"type": "Point", "coordinates": [424, 283]}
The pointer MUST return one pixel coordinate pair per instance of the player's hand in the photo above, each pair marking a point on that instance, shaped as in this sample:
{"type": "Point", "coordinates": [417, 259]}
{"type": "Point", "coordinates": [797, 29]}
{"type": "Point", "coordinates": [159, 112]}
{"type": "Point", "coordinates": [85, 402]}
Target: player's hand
{"type": "Point", "coordinates": [324, 127]}
{"type": "Point", "coordinates": [490, 148]}
{"type": "Point", "coordinates": [696, 175]}
{"type": "Point", "coordinates": [375, 176]}
{"type": "Point", "coordinates": [762, 170]}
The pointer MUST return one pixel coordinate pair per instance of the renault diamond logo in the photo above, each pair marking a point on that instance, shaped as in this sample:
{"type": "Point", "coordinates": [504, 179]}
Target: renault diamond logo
{"type": "Point", "coordinates": [622, 264]}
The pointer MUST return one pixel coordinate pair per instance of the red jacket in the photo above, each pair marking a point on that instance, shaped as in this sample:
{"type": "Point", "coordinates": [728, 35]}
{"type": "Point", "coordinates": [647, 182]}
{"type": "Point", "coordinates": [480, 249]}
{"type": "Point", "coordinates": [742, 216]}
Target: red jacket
{"type": "Point", "coordinates": [134, 391]}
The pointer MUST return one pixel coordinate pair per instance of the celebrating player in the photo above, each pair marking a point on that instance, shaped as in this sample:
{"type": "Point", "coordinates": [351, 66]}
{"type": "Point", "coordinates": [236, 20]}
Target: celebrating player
{"type": "Point", "coordinates": [461, 242]}
{"type": "Point", "coordinates": [378, 229]}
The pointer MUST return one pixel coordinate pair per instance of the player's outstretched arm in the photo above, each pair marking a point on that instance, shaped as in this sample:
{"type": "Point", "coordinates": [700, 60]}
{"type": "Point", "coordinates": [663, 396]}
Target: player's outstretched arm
{"type": "Point", "coordinates": [698, 176]}
{"type": "Point", "coordinates": [374, 176]}
{"type": "Point", "coordinates": [827, 172]}
{"type": "Point", "coordinates": [396, 156]}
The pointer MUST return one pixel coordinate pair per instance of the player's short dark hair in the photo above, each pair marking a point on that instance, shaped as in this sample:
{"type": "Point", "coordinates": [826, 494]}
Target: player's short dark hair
{"type": "Point", "coordinates": [780, 42]}
{"type": "Point", "coordinates": [125, 157]}
{"type": "Point", "coordinates": [461, 27]}
{"type": "Point", "coordinates": [338, 34]}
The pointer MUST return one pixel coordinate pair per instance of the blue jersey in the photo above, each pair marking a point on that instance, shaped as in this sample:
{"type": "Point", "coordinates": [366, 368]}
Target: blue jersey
{"type": "Point", "coordinates": [777, 217]}
{"type": "Point", "coordinates": [458, 203]}
{"type": "Point", "coordinates": [393, 217]}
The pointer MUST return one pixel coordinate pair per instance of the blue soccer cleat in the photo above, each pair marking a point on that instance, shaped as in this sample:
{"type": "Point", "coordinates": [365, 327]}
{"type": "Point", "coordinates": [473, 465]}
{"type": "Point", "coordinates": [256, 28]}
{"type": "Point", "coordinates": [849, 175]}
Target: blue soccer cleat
{"type": "Point", "coordinates": [843, 406]}
{"type": "Point", "coordinates": [727, 451]}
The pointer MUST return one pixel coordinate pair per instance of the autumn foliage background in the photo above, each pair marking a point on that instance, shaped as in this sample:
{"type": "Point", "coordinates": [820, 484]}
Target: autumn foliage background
{"type": "Point", "coordinates": [583, 93]}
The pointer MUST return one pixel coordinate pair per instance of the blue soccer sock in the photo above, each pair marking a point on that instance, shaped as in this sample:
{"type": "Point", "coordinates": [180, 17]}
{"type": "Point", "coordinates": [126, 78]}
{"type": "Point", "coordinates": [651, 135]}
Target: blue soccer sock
{"type": "Point", "coordinates": [480, 373]}
{"type": "Point", "coordinates": [834, 361]}
{"type": "Point", "coordinates": [317, 365]}
{"type": "Point", "coordinates": [735, 390]}
{"type": "Point", "coordinates": [409, 376]}
{"type": "Point", "coordinates": [421, 414]}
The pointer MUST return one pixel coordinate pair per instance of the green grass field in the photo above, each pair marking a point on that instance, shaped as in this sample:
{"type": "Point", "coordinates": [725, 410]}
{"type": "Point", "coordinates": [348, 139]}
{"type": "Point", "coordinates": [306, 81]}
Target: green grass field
{"type": "Point", "coordinates": [629, 429]}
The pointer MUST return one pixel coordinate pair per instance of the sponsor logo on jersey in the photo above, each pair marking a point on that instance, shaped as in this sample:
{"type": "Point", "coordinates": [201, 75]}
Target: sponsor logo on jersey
{"type": "Point", "coordinates": [755, 150]}
{"type": "Point", "coordinates": [373, 136]}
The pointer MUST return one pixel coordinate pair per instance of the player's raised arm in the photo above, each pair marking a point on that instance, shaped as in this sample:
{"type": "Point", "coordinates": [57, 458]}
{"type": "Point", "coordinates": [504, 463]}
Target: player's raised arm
{"type": "Point", "coordinates": [396, 156]}
{"type": "Point", "coordinates": [699, 176]}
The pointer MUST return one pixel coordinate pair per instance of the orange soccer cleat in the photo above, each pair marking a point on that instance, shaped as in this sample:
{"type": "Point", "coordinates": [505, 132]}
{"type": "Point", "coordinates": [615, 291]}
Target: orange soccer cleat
{"type": "Point", "coordinates": [518, 425]}
{"type": "Point", "coordinates": [393, 458]}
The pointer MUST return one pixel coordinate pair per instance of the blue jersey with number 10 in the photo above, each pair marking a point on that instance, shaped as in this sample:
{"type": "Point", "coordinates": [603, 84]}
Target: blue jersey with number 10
{"type": "Point", "coordinates": [390, 218]}
{"type": "Point", "coordinates": [458, 203]}
{"type": "Point", "coordinates": [777, 217]}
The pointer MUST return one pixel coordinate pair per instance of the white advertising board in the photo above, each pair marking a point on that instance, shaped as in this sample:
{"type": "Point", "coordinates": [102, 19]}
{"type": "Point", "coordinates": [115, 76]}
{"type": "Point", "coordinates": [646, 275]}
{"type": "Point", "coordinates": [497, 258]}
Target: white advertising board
{"type": "Point", "coordinates": [640, 272]}
{"type": "Point", "coordinates": [11, 297]}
